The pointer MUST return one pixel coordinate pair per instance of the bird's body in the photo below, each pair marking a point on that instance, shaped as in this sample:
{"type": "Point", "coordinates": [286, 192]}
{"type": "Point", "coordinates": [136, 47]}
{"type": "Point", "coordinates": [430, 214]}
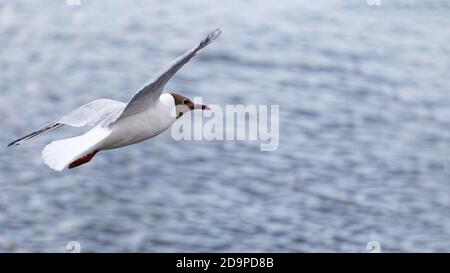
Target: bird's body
{"type": "Point", "coordinates": [117, 124]}
{"type": "Point", "coordinates": [137, 128]}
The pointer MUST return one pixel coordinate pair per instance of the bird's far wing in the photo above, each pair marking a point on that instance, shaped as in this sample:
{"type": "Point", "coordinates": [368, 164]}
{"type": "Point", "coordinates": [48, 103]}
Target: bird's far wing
{"type": "Point", "coordinates": [153, 89]}
{"type": "Point", "coordinates": [92, 113]}
{"type": "Point", "coordinates": [89, 114]}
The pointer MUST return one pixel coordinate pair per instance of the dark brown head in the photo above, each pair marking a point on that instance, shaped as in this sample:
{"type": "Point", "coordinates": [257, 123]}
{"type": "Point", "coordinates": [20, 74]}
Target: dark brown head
{"type": "Point", "coordinates": [184, 104]}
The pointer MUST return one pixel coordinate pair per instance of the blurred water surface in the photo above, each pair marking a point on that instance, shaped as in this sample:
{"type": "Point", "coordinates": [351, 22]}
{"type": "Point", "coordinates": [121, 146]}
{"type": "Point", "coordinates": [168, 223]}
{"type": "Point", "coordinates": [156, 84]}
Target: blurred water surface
{"type": "Point", "coordinates": [364, 143]}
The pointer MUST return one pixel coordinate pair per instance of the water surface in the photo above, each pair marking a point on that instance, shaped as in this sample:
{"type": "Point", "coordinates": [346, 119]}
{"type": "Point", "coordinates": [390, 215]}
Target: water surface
{"type": "Point", "coordinates": [364, 117]}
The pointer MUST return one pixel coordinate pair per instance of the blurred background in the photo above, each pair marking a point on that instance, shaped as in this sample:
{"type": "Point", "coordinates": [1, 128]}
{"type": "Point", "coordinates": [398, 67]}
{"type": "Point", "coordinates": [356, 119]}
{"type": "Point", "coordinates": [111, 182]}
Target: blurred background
{"type": "Point", "coordinates": [364, 155]}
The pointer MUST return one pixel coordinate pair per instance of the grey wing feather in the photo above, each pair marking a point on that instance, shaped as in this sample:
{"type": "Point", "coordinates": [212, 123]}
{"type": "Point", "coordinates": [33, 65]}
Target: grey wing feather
{"type": "Point", "coordinates": [153, 89]}
{"type": "Point", "coordinates": [92, 113]}
{"type": "Point", "coordinates": [89, 114]}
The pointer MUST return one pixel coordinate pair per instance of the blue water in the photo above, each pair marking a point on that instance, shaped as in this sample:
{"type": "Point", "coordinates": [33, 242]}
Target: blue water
{"type": "Point", "coordinates": [364, 155]}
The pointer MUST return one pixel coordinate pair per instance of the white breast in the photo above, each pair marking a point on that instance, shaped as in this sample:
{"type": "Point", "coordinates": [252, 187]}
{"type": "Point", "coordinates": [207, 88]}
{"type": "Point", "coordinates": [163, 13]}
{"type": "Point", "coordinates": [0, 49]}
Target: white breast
{"type": "Point", "coordinates": [137, 128]}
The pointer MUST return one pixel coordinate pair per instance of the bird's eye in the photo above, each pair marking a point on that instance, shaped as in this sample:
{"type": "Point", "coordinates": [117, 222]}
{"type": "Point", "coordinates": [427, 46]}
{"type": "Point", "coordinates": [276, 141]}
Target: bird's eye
{"type": "Point", "coordinates": [184, 101]}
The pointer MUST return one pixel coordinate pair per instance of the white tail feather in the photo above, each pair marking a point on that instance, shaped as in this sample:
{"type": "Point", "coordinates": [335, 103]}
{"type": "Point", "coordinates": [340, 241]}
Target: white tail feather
{"type": "Point", "coordinates": [60, 153]}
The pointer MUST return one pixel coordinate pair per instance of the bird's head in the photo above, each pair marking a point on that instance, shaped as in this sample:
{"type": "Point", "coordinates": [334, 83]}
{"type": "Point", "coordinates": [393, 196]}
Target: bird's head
{"type": "Point", "coordinates": [184, 104]}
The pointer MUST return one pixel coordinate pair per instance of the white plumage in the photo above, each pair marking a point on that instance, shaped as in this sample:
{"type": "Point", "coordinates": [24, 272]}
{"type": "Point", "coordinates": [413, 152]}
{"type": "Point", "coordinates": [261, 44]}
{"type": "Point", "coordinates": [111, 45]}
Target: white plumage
{"type": "Point", "coordinates": [60, 153]}
{"type": "Point", "coordinates": [117, 124]}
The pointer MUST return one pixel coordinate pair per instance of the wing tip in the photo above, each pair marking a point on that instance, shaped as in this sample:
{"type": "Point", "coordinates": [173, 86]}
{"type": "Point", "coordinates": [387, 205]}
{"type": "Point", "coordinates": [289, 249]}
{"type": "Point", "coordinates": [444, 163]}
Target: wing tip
{"type": "Point", "coordinates": [211, 37]}
{"type": "Point", "coordinates": [17, 142]}
{"type": "Point", "coordinates": [216, 33]}
{"type": "Point", "coordinates": [44, 130]}
{"type": "Point", "coordinates": [14, 143]}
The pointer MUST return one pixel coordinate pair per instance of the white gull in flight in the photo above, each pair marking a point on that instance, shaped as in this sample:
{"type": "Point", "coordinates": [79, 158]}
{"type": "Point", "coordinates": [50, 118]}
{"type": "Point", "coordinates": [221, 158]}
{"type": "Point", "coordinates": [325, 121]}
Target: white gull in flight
{"type": "Point", "coordinates": [117, 124]}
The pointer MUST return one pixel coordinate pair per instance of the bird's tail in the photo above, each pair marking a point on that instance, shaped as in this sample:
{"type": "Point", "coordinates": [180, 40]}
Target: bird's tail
{"type": "Point", "coordinates": [60, 153]}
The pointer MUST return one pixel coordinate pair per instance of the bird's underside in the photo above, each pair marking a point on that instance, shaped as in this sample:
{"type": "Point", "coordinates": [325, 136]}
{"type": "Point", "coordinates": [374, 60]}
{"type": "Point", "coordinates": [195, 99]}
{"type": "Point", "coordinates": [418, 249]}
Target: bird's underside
{"type": "Point", "coordinates": [103, 114]}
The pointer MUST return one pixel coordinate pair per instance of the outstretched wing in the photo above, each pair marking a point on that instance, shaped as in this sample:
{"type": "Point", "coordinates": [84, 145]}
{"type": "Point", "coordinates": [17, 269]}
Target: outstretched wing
{"type": "Point", "coordinates": [153, 89]}
{"type": "Point", "coordinates": [89, 114]}
{"type": "Point", "coordinates": [108, 111]}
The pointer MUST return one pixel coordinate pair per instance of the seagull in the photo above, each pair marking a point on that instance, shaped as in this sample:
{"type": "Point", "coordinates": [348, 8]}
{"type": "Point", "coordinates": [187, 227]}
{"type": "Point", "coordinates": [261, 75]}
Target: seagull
{"type": "Point", "coordinates": [116, 124]}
